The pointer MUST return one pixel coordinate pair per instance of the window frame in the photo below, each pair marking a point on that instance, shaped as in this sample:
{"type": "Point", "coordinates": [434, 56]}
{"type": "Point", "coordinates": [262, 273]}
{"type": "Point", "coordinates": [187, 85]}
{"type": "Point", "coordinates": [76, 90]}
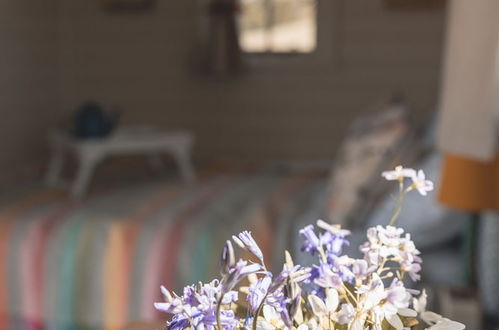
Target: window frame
{"type": "Point", "coordinates": [288, 53]}
{"type": "Point", "coordinates": [328, 49]}
{"type": "Point", "coordinates": [329, 42]}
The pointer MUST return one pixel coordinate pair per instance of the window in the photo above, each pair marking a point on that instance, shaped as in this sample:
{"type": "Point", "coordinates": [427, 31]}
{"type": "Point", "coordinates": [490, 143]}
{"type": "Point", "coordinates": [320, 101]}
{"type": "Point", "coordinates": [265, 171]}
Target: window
{"type": "Point", "coordinates": [278, 26]}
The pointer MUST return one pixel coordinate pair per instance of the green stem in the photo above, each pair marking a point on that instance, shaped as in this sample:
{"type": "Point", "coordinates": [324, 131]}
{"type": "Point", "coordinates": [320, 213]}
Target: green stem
{"type": "Point", "coordinates": [350, 295]}
{"type": "Point", "coordinates": [322, 254]}
{"type": "Point", "coordinates": [400, 201]}
{"type": "Point", "coordinates": [258, 311]}
{"type": "Point", "coordinates": [191, 321]}
{"type": "Point", "coordinates": [219, 309]}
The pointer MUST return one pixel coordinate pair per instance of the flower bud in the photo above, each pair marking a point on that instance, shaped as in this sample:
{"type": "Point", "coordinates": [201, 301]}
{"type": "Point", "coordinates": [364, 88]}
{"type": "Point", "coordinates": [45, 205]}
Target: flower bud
{"type": "Point", "coordinates": [227, 260]}
{"type": "Point", "coordinates": [294, 306]}
{"type": "Point", "coordinates": [166, 294]}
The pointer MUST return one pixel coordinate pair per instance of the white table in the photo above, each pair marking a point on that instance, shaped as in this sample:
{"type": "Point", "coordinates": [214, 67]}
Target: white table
{"type": "Point", "coordinates": [128, 141]}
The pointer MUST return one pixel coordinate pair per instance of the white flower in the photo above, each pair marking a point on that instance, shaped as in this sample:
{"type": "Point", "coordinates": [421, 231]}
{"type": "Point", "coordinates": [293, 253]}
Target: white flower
{"type": "Point", "coordinates": [421, 184]}
{"type": "Point", "coordinates": [399, 173]}
{"type": "Point", "coordinates": [387, 243]}
{"type": "Point", "coordinates": [271, 319]}
{"type": "Point", "coordinates": [329, 279]}
{"type": "Point", "coordinates": [419, 304]}
{"type": "Point", "coordinates": [361, 270]}
{"type": "Point", "coordinates": [372, 293]}
{"type": "Point", "coordinates": [384, 304]}
{"type": "Point", "coordinates": [324, 308]}
{"type": "Point", "coordinates": [389, 237]}
{"type": "Point", "coordinates": [434, 320]}
{"type": "Point", "coordinates": [303, 327]}
{"type": "Point", "coordinates": [446, 324]}
{"type": "Point", "coordinates": [333, 229]}
{"type": "Point", "coordinates": [358, 322]}
{"type": "Point", "coordinates": [388, 312]}
{"type": "Point", "coordinates": [346, 313]}
{"type": "Point", "coordinates": [397, 295]}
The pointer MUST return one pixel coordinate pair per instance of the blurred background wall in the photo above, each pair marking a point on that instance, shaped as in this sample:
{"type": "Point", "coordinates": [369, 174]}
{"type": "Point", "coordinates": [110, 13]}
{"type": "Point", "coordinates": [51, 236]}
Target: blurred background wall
{"type": "Point", "coordinates": [62, 53]}
{"type": "Point", "coordinates": [29, 100]}
{"type": "Point", "coordinates": [284, 109]}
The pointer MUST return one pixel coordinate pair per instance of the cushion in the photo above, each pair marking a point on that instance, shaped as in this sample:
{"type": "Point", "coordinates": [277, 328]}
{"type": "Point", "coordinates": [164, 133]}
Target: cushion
{"type": "Point", "coordinates": [371, 144]}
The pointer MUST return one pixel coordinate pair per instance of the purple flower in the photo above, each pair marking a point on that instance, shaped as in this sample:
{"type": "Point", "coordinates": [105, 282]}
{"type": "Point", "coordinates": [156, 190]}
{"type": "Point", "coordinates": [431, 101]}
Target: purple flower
{"type": "Point", "coordinates": [227, 259]}
{"type": "Point", "coordinates": [257, 292]}
{"type": "Point", "coordinates": [281, 304]}
{"type": "Point", "coordinates": [294, 306]}
{"type": "Point", "coordinates": [361, 270]}
{"type": "Point", "coordinates": [247, 242]}
{"type": "Point", "coordinates": [182, 320]}
{"type": "Point", "coordinates": [198, 306]}
{"type": "Point", "coordinates": [324, 277]}
{"type": "Point", "coordinates": [169, 307]}
{"type": "Point", "coordinates": [189, 296]}
{"type": "Point", "coordinates": [333, 244]}
{"type": "Point", "coordinates": [237, 273]}
{"type": "Point", "coordinates": [248, 321]}
{"type": "Point", "coordinates": [342, 266]}
{"type": "Point", "coordinates": [178, 322]}
{"type": "Point", "coordinates": [312, 242]}
{"type": "Point", "coordinates": [296, 274]}
{"type": "Point", "coordinates": [228, 321]}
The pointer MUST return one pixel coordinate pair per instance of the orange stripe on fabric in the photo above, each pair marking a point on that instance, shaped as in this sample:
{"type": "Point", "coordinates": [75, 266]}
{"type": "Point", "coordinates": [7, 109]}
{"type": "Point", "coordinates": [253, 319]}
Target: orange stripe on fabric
{"type": "Point", "coordinates": [118, 261]}
{"type": "Point", "coordinates": [115, 279]}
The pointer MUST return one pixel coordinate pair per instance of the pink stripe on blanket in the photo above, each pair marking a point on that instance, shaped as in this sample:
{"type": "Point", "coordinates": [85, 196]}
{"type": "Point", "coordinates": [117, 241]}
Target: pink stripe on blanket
{"type": "Point", "coordinates": [32, 271]}
{"type": "Point", "coordinates": [28, 273]}
{"type": "Point", "coordinates": [152, 269]}
{"type": "Point", "coordinates": [172, 244]}
{"type": "Point", "coordinates": [7, 220]}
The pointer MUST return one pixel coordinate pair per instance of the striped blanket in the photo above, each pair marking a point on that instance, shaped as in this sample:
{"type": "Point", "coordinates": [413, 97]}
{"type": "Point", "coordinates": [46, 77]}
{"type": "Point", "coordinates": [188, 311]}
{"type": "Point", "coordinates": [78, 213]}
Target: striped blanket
{"type": "Point", "coordinates": [98, 263]}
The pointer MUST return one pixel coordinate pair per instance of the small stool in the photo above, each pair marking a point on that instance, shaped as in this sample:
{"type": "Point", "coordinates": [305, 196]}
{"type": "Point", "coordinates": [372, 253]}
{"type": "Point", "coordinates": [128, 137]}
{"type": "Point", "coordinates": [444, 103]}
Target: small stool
{"type": "Point", "coordinates": [130, 141]}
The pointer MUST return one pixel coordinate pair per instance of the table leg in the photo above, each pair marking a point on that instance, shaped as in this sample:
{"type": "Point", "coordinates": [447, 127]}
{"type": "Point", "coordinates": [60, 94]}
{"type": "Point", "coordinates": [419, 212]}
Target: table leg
{"type": "Point", "coordinates": [184, 162]}
{"type": "Point", "coordinates": [54, 169]}
{"type": "Point", "coordinates": [87, 162]}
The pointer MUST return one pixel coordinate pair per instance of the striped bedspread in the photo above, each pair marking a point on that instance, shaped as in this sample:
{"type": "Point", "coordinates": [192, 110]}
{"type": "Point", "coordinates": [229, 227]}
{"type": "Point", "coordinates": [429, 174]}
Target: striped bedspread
{"type": "Point", "coordinates": [98, 263]}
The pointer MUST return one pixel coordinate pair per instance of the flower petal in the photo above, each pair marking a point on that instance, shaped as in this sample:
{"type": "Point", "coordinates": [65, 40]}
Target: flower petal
{"type": "Point", "coordinates": [318, 306]}
{"type": "Point", "coordinates": [394, 321]}
{"type": "Point", "coordinates": [446, 324]}
{"type": "Point", "coordinates": [264, 325]}
{"type": "Point", "coordinates": [407, 312]}
{"type": "Point", "coordinates": [332, 300]}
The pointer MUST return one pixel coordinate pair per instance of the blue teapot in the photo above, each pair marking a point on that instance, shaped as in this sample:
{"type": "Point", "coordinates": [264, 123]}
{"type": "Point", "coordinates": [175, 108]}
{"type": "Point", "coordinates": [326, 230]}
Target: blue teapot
{"type": "Point", "coordinates": [90, 121]}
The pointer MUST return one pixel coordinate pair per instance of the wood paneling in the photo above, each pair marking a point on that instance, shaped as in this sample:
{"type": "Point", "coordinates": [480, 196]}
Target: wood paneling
{"type": "Point", "coordinates": [28, 81]}
{"type": "Point", "coordinates": [146, 65]}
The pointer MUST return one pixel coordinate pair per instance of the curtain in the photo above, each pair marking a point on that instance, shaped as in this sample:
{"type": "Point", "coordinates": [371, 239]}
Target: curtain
{"type": "Point", "coordinates": [224, 54]}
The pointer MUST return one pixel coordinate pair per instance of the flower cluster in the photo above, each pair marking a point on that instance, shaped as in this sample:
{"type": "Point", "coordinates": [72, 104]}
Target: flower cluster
{"type": "Point", "coordinates": [338, 292]}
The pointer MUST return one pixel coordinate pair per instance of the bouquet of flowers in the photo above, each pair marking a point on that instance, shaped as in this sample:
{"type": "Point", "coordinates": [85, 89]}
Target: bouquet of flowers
{"type": "Point", "coordinates": [338, 292]}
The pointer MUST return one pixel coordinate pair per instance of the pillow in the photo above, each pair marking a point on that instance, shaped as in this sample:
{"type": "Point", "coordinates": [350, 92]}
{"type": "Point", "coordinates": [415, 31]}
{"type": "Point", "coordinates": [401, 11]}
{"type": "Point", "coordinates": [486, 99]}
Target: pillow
{"type": "Point", "coordinates": [372, 142]}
